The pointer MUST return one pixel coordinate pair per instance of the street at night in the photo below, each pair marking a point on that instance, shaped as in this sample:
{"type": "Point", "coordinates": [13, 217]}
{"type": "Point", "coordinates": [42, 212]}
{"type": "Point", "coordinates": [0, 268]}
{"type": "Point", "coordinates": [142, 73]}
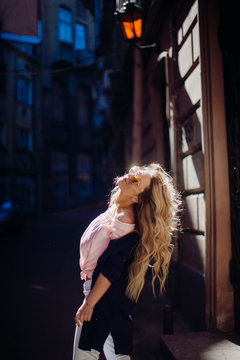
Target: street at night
{"type": "Point", "coordinates": [130, 106]}
{"type": "Point", "coordinates": [42, 291]}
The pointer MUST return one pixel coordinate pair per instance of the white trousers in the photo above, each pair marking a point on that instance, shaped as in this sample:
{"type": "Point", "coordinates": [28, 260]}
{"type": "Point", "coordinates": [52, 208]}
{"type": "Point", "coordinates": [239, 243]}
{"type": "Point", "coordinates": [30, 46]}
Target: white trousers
{"type": "Point", "coordinates": [108, 347]}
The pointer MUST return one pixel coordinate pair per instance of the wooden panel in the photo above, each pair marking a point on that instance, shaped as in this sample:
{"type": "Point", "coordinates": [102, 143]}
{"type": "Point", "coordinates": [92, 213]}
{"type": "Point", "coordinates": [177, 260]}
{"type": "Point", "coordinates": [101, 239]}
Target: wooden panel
{"type": "Point", "coordinates": [191, 133]}
{"type": "Point", "coordinates": [190, 92]}
{"type": "Point", "coordinates": [194, 215]}
{"type": "Point", "coordinates": [185, 59]}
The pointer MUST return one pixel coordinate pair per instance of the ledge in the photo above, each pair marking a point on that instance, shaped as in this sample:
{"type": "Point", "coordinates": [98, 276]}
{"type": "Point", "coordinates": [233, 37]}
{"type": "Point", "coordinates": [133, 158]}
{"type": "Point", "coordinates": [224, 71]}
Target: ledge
{"type": "Point", "coordinates": [202, 346]}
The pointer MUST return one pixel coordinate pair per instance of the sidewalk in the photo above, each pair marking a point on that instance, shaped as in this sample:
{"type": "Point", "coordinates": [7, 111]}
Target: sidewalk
{"type": "Point", "coordinates": [150, 342]}
{"type": "Point", "coordinates": [202, 346]}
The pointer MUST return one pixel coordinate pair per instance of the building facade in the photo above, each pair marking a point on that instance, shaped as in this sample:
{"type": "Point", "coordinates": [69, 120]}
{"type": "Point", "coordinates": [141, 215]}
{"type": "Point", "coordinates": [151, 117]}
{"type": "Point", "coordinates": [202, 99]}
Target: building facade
{"type": "Point", "coordinates": [68, 94]}
{"type": "Point", "coordinates": [181, 118]}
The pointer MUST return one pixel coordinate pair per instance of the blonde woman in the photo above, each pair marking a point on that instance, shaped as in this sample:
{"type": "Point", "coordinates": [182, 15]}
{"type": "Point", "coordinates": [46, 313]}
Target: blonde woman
{"type": "Point", "coordinates": [115, 252]}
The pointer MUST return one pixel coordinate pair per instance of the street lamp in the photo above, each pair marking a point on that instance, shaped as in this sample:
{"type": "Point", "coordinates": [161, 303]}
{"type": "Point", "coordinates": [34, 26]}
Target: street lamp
{"type": "Point", "coordinates": [130, 19]}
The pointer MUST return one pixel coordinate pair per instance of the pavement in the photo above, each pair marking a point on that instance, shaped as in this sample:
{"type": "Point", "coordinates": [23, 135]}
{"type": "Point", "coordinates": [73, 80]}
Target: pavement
{"type": "Point", "coordinates": [202, 346]}
{"type": "Point", "coordinates": [42, 290]}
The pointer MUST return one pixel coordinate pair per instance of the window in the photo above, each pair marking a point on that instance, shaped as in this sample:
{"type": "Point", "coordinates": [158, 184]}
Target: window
{"type": "Point", "coordinates": [24, 139]}
{"type": "Point", "coordinates": [60, 180]}
{"type": "Point", "coordinates": [80, 37]}
{"type": "Point", "coordinates": [84, 174]}
{"type": "Point", "coordinates": [65, 25]}
{"type": "Point", "coordinates": [4, 189]}
{"type": "Point", "coordinates": [59, 161]}
{"type": "Point", "coordinates": [60, 185]}
{"type": "Point", "coordinates": [24, 91]}
{"type": "Point", "coordinates": [25, 194]}
{"type": "Point", "coordinates": [59, 101]}
{"type": "Point", "coordinates": [82, 107]}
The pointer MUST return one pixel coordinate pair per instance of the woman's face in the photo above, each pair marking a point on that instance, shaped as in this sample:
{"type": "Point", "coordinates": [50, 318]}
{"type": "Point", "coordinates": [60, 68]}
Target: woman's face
{"type": "Point", "coordinates": [134, 183]}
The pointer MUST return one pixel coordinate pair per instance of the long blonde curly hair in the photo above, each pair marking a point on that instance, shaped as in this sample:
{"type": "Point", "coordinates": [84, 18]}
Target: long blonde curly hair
{"type": "Point", "coordinates": [156, 218]}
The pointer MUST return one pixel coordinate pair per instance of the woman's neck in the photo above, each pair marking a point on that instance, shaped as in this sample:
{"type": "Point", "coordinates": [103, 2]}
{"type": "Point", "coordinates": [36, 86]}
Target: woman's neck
{"type": "Point", "coordinates": [124, 208]}
{"type": "Point", "coordinates": [124, 202]}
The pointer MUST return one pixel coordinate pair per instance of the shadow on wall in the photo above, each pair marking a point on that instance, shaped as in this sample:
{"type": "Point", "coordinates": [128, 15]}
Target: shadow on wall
{"type": "Point", "coordinates": [188, 284]}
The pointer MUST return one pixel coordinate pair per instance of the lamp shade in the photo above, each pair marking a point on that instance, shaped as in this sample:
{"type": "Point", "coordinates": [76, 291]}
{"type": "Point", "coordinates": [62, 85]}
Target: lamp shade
{"type": "Point", "coordinates": [130, 18]}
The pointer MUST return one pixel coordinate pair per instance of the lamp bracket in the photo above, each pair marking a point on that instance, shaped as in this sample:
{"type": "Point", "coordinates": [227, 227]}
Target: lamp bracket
{"type": "Point", "coordinates": [142, 47]}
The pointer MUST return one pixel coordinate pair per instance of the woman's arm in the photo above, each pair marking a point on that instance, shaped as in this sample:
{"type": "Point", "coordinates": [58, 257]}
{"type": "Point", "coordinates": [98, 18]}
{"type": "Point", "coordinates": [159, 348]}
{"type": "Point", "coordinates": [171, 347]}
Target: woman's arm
{"type": "Point", "coordinates": [90, 250]}
{"type": "Point", "coordinates": [85, 311]}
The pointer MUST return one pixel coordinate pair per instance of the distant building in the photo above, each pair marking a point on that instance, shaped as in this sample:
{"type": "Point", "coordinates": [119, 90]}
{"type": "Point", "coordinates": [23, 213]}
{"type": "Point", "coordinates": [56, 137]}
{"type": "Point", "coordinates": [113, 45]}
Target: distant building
{"type": "Point", "coordinates": [67, 98]}
{"type": "Point", "coordinates": [18, 50]}
{"type": "Point", "coordinates": [54, 151]}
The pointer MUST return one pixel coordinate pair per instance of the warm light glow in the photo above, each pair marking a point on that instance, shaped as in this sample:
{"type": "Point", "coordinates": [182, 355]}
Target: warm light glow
{"type": "Point", "coordinates": [130, 19]}
{"type": "Point", "coordinates": [132, 30]}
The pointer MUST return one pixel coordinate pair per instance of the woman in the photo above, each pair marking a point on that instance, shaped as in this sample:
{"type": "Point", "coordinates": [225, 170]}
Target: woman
{"type": "Point", "coordinates": [115, 253]}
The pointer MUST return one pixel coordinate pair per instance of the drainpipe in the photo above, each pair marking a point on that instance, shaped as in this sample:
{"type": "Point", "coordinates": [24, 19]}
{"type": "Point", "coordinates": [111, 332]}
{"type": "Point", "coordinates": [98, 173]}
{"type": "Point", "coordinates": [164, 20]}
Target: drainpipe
{"type": "Point", "coordinates": [137, 109]}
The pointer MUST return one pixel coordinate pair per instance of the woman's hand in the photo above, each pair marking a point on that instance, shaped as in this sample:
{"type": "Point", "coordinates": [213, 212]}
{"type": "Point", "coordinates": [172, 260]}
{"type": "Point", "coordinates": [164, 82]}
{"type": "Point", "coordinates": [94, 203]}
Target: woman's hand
{"type": "Point", "coordinates": [84, 313]}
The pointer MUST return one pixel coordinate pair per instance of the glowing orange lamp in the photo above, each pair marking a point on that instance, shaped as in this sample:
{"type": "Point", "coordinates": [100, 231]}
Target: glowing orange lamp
{"type": "Point", "coordinates": [130, 18]}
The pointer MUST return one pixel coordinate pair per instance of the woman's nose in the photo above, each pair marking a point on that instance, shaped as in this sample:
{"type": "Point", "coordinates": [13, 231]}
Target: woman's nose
{"type": "Point", "coordinates": [127, 178]}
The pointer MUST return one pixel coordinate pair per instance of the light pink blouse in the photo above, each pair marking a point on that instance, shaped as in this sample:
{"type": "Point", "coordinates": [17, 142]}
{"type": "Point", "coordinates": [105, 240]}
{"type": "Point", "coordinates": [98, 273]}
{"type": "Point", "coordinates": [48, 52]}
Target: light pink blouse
{"type": "Point", "coordinates": [96, 238]}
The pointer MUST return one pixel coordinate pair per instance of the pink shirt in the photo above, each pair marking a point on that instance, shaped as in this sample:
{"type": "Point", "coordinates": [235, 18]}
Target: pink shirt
{"type": "Point", "coordinates": [96, 238]}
